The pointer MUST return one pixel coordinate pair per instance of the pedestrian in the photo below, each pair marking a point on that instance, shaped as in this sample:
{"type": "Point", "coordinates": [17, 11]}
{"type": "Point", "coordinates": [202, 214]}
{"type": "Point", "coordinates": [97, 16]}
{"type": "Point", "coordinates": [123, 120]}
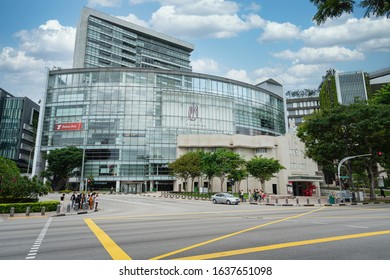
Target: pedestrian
{"type": "Point", "coordinates": [77, 202]}
{"type": "Point", "coordinates": [72, 199]}
{"type": "Point", "coordinates": [96, 202]}
{"type": "Point", "coordinates": [62, 203]}
{"type": "Point", "coordinates": [242, 195]}
{"type": "Point", "coordinates": [90, 200]}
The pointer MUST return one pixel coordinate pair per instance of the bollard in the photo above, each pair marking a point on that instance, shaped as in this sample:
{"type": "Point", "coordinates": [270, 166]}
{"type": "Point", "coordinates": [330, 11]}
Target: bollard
{"type": "Point", "coordinates": [43, 209]}
{"type": "Point", "coordinates": [68, 208]}
{"type": "Point", "coordinates": [319, 201]}
{"type": "Point", "coordinates": [308, 201]}
{"type": "Point", "coordinates": [267, 200]}
{"type": "Point", "coordinates": [286, 200]}
{"type": "Point", "coordinates": [276, 201]}
{"type": "Point", "coordinates": [12, 212]}
{"type": "Point", "coordinates": [28, 211]}
{"type": "Point", "coordinates": [297, 201]}
{"type": "Point", "coordinates": [58, 209]}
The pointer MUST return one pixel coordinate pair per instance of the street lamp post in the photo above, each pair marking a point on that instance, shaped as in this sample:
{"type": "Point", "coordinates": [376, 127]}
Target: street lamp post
{"type": "Point", "coordinates": [341, 163]}
{"type": "Point", "coordinates": [83, 163]}
{"type": "Point", "coordinates": [29, 161]}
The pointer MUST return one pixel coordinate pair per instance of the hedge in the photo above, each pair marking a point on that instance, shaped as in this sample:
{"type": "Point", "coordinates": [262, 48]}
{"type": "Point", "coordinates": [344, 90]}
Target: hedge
{"type": "Point", "coordinates": [34, 206]}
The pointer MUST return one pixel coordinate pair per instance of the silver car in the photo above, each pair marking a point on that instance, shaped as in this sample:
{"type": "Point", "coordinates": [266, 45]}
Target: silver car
{"type": "Point", "coordinates": [225, 198]}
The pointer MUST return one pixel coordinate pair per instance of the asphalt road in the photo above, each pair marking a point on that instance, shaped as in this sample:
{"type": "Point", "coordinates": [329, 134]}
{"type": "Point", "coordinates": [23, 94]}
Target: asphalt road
{"type": "Point", "coordinates": [150, 227]}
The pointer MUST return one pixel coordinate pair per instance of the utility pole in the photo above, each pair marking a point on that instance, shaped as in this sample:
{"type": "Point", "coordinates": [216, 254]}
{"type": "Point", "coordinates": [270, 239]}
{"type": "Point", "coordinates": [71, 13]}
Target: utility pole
{"type": "Point", "coordinates": [341, 163]}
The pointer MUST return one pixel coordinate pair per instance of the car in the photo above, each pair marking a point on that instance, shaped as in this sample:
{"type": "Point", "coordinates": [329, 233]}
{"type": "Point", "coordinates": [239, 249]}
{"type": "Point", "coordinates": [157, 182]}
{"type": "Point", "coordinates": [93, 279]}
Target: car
{"type": "Point", "coordinates": [225, 198]}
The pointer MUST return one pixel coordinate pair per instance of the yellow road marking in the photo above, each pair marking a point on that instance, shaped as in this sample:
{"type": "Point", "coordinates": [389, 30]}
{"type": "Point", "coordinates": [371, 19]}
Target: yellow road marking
{"type": "Point", "coordinates": [282, 245]}
{"type": "Point", "coordinates": [262, 210]}
{"type": "Point", "coordinates": [232, 234]}
{"type": "Point", "coordinates": [111, 247]}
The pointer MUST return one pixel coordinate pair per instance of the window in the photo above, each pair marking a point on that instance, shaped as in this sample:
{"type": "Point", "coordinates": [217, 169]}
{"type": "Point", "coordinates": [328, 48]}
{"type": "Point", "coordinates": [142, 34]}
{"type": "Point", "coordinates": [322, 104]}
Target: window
{"type": "Point", "coordinates": [261, 150]}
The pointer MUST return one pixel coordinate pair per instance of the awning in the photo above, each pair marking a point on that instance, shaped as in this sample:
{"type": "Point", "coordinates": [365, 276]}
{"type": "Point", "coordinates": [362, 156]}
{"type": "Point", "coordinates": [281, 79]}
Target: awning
{"type": "Point", "coordinates": [305, 179]}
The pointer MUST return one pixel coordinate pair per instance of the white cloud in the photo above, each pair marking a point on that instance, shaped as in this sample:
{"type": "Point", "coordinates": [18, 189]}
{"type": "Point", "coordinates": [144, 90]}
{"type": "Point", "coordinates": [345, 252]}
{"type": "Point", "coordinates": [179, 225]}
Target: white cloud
{"type": "Point", "coordinates": [22, 69]}
{"type": "Point", "coordinates": [349, 31]}
{"type": "Point", "coordinates": [205, 65]}
{"type": "Point", "coordinates": [14, 60]}
{"type": "Point", "coordinates": [212, 18]}
{"type": "Point", "coordinates": [239, 75]}
{"type": "Point", "coordinates": [320, 55]}
{"type": "Point", "coordinates": [274, 31]}
{"type": "Point", "coordinates": [50, 40]}
{"type": "Point", "coordinates": [298, 76]}
{"type": "Point", "coordinates": [104, 3]}
{"type": "Point", "coordinates": [381, 44]}
{"type": "Point", "coordinates": [134, 19]}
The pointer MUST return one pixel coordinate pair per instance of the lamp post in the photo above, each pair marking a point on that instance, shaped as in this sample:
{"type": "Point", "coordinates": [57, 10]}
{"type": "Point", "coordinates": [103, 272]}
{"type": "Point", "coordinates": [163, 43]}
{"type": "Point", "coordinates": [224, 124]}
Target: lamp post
{"type": "Point", "coordinates": [341, 163]}
{"type": "Point", "coordinates": [82, 164]}
{"type": "Point", "coordinates": [29, 160]}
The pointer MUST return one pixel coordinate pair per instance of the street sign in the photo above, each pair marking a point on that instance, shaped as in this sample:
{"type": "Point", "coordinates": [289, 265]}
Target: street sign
{"type": "Point", "coordinates": [344, 177]}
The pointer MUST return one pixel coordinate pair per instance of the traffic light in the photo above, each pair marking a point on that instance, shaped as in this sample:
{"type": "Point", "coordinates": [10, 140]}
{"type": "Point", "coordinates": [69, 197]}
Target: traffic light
{"type": "Point", "coordinates": [379, 153]}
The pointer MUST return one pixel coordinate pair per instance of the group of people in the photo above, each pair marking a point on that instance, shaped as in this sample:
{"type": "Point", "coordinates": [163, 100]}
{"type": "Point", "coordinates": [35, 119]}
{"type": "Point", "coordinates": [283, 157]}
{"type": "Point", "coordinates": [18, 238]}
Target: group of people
{"type": "Point", "coordinates": [78, 200]}
{"type": "Point", "coordinates": [257, 195]}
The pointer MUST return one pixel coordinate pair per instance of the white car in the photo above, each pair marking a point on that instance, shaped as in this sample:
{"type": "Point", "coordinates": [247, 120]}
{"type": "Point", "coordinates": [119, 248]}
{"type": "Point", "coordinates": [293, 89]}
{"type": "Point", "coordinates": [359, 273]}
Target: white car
{"type": "Point", "coordinates": [225, 198]}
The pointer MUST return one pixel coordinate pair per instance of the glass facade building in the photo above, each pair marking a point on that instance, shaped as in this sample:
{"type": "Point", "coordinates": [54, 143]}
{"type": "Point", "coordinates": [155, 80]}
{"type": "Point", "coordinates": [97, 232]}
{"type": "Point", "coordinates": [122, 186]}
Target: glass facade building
{"type": "Point", "coordinates": [107, 41]}
{"type": "Point", "coordinates": [351, 87]}
{"type": "Point", "coordinates": [127, 119]}
{"type": "Point", "coordinates": [18, 124]}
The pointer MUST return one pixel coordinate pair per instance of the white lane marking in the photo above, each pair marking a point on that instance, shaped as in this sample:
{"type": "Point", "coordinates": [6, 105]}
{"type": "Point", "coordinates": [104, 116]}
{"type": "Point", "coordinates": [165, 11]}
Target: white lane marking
{"type": "Point", "coordinates": [319, 223]}
{"type": "Point", "coordinates": [356, 226]}
{"type": "Point", "coordinates": [34, 249]}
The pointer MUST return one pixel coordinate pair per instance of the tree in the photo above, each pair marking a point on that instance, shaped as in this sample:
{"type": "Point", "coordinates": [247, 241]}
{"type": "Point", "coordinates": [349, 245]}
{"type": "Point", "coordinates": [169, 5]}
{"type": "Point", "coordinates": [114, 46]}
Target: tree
{"type": "Point", "coordinates": [331, 135]}
{"type": "Point", "coordinates": [381, 96]}
{"type": "Point", "coordinates": [237, 176]}
{"type": "Point", "coordinates": [61, 162]}
{"type": "Point", "coordinates": [226, 162]}
{"type": "Point", "coordinates": [9, 175]}
{"type": "Point", "coordinates": [208, 166]}
{"type": "Point", "coordinates": [187, 166]}
{"type": "Point", "coordinates": [13, 187]}
{"type": "Point", "coordinates": [335, 8]}
{"type": "Point", "coordinates": [263, 168]}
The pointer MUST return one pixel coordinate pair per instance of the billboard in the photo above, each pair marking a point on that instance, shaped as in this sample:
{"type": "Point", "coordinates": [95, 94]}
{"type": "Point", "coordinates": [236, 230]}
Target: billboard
{"type": "Point", "coordinates": [68, 126]}
{"type": "Point", "coordinates": [197, 111]}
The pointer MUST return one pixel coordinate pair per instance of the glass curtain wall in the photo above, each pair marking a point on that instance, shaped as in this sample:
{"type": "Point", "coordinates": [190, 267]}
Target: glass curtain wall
{"type": "Point", "coordinates": [127, 120]}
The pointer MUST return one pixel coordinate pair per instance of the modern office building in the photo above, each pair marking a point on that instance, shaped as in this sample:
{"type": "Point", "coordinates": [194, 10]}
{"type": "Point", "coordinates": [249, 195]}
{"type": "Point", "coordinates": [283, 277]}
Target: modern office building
{"type": "Point", "coordinates": [18, 124]}
{"type": "Point", "coordinates": [128, 119]}
{"type": "Point", "coordinates": [132, 97]}
{"type": "Point", "coordinates": [351, 87]}
{"type": "Point", "coordinates": [107, 41]}
{"type": "Point", "coordinates": [298, 107]}
{"type": "Point", "coordinates": [379, 78]}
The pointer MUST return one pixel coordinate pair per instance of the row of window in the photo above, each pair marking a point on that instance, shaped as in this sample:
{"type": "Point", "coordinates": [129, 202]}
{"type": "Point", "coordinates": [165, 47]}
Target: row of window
{"type": "Point", "coordinates": [303, 104]}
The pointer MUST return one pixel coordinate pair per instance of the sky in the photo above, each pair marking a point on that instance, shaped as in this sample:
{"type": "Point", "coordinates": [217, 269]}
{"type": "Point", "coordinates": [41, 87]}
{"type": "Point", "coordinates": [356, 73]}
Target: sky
{"type": "Point", "coordinates": [245, 40]}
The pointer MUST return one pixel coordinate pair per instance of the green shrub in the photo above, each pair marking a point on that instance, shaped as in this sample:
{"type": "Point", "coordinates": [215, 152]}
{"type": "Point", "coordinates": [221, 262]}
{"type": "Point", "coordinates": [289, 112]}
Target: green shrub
{"type": "Point", "coordinates": [34, 206]}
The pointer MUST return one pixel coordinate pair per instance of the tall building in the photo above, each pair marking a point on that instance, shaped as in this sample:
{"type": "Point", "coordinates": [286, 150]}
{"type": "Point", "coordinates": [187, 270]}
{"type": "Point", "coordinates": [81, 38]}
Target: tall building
{"type": "Point", "coordinates": [379, 78]}
{"type": "Point", "coordinates": [18, 124]}
{"type": "Point", "coordinates": [300, 104]}
{"type": "Point", "coordinates": [107, 41]}
{"type": "Point", "coordinates": [132, 95]}
{"type": "Point", "coordinates": [128, 119]}
{"type": "Point", "coordinates": [351, 87]}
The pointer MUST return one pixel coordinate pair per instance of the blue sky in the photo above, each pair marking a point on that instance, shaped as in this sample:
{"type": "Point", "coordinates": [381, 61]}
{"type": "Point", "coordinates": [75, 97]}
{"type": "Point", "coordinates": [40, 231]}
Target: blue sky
{"type": "Point", "coordinates": [247, 40]}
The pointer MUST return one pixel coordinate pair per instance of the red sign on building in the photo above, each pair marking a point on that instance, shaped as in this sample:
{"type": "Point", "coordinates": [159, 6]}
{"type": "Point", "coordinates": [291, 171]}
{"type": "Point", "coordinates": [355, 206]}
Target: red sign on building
{"type": "Point", "coordinates": [68, 126]}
